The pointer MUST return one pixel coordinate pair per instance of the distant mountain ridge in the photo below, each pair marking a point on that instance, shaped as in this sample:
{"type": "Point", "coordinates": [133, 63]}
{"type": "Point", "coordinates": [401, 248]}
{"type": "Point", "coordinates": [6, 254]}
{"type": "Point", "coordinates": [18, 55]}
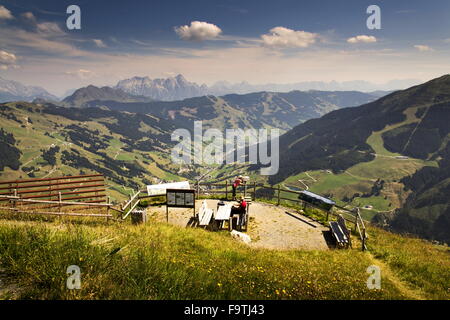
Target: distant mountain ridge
{"type": "Point", "coordinates": [178, 88]}
{"type": "Point", "coordinates": [172, 88]}
{"type": "Point", "coordinates": [225, 87]}
{"type": "Point", "coordinates": [90, 93]}
{"type": "Point", "coordinates": [16, 91]}
{"type": "Point", "coordinates": [254, 110]}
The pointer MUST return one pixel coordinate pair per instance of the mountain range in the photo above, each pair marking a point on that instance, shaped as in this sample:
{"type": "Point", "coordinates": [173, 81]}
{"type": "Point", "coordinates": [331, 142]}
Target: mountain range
{"type": "Point", "coordinates": [225, 87]}
{"type": "Point", "coordinates": [178, 88]}
{"type": "Point", "coordinates": [171, 88]}
{"type": "Point", "coordinates": [89, 93]}
{"type": "Point", "coordinates": [253, 110]}
{"type": "Point", "coordinates": [15, 91]}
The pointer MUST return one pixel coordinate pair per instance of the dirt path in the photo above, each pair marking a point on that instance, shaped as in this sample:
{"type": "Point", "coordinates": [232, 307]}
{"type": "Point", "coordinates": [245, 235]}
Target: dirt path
{"type": "Point", "coordinates": [269, 226]}
{"type": "Point", "coordinates": [386, 272]}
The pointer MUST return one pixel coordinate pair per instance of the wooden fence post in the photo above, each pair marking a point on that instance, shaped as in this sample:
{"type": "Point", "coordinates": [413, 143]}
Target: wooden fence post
{"type": "Point", "coordinates": [14, 201]}
{"type": "Point", "coordinates": [59, 200]}
{"type": "Point", "coordinates": [278, 203]}
{"type": "Point", "coordinates": [356, 218]}
{"type": "Point", "coordinates": [198, 190]}
{"type": "Point", "coordinates": [364, 239]}
{"type": "Point", "coordinates": [108, 201]}
{"type": "Point", "coordinates": [226, 189]}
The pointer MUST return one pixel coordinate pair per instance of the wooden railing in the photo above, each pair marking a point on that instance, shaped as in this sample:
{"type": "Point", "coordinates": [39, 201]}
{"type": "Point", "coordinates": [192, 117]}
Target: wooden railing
{"type": "Point", "coordinates": [41, 196]}
{"type": "Point", "coordinates": [131, 204]}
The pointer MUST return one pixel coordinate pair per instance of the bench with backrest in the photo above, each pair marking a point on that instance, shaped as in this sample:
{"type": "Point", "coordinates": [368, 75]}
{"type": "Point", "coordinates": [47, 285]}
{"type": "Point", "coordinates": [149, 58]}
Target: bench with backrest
{"type": "Point", "coordinates": [340, 232]}
{"type": "Point", "coordinates": [204, 215]}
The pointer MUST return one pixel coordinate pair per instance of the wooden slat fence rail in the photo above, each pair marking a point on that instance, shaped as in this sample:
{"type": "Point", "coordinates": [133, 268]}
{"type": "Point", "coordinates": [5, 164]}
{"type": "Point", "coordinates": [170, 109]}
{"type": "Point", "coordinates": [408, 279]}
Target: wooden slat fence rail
{"type": "Point", "coordinates": [35, 195]}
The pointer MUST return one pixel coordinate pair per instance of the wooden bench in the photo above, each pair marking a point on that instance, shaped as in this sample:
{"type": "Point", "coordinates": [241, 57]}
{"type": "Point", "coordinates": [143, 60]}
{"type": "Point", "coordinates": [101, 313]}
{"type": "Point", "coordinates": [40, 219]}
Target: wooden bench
{"type": "Point", "coordinates": [340, 232]}
{"type": "Point", "coordinates": [204, 215]}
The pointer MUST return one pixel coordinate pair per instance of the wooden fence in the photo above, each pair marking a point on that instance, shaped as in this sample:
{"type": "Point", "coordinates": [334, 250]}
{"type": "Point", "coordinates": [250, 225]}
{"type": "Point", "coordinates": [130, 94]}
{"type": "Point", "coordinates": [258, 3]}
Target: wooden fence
{"type": "Point", "coordinates": [52, 195]}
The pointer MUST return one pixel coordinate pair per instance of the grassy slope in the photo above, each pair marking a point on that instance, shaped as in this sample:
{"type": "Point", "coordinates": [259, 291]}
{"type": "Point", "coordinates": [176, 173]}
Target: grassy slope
{"type": "Point", "coordinates": [422, 265]}
{"type": "Point", "coordinates": [159, 261]}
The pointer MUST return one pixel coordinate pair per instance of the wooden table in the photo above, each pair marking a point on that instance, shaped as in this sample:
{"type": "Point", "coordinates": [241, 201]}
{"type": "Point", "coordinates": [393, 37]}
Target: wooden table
{"type": "Point", "coordinates": [223, 214]}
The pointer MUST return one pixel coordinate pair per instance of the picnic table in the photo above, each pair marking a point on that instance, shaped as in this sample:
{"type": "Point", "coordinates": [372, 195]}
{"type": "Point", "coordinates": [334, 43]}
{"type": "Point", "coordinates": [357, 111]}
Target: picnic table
{"type": "Point", "coordinates": [223, 214]}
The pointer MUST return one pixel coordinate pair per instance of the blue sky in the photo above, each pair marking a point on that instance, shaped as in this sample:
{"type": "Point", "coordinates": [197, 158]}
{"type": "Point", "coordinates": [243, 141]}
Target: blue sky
{"type": "Point", "coordinates": [256, 41]}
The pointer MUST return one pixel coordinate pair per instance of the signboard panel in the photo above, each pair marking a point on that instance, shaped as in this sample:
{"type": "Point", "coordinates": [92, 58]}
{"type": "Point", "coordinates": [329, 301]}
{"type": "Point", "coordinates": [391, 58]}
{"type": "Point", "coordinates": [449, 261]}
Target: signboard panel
{"type": "Point", "coordinates": [171, 199]}
{"type": "Point", "coordinates": [160, 189]}
{"type": "Point", "coordinates": [180, 198]}
{"type": "Point", "coordinates": [189, 199]}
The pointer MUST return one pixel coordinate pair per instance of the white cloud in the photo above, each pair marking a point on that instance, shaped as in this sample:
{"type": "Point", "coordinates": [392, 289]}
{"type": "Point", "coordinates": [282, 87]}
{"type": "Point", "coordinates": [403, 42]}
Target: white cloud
{"type": "Point", "coordinates": [362, 39]}
{"type": "Point", "coordinates": [29, 16]}
{"type": "Point", "coordinates": [282, 37]}
{"type": "Point", "coordinates": [81, 73]}
{"type": "Point", "coordinates": [423, 48]}
{"type": "Point", "coordinates": [5, 13]}
{"type": "Point", "coordinates": [7, 60]}
{"type": "Point", "coordinates": [99, 43]}
{"type": "Point", "coordinates": [198, 31]}
{"type": "Point", "coordinates": [49, 29]}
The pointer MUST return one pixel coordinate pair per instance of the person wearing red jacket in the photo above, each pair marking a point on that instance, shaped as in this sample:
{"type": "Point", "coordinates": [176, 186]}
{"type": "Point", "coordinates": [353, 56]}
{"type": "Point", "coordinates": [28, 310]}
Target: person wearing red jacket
{"type": "Point", "coordinates": [240, 209]}
{"type": "Point", "coordinates": [237, 182]}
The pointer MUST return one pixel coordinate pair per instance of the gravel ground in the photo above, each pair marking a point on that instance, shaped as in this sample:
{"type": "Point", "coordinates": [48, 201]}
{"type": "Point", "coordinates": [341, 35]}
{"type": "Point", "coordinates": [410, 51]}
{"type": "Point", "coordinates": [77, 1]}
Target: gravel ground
{"type": "Point", "coordinates": [270, 226]}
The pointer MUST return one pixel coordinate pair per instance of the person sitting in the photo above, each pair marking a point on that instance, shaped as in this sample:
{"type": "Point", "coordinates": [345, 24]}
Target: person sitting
{"type": "Point", "coordinates": [237, 182]}
{"type": "Point", "coordinates": [239, 209]}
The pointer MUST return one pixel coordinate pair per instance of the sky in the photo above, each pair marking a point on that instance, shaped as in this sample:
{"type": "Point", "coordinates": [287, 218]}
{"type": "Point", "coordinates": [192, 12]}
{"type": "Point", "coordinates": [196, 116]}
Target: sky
{"type": "Point", "coordinates": [256, 41]}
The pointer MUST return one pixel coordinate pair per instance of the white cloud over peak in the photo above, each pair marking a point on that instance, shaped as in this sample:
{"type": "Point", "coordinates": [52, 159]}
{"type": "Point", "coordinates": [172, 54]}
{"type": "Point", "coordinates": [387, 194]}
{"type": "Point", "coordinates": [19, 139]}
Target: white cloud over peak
{"type": "Point", "coordinates": [81, 73]}
{"type": "Point", "coordinates": [99, 43]}
{"type": "Point", "coordinates": [423, 48]}
{"type": "Point", "coordinates": [198, 31]}
{"type": "Point", "coordinates": [362, 39]}
{"type": "Point", "coordinates": [7, 60]}
{"type": "Point", "coordinates": [5, 13]}
{"type": "Point", "coordinates": [281, 37]}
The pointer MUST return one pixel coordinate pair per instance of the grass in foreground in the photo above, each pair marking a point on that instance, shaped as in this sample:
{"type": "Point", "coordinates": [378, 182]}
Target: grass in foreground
{"type": "Point", "coordinates": [159, 261]}
{"type": "Point", "coordinates": [424, 266]}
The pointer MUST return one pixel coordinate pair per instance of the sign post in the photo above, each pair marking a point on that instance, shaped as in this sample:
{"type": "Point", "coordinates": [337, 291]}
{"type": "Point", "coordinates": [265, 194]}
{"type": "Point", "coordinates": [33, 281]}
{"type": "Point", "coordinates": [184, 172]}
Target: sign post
{"type": "Point", "coordinates": [179, 198]}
